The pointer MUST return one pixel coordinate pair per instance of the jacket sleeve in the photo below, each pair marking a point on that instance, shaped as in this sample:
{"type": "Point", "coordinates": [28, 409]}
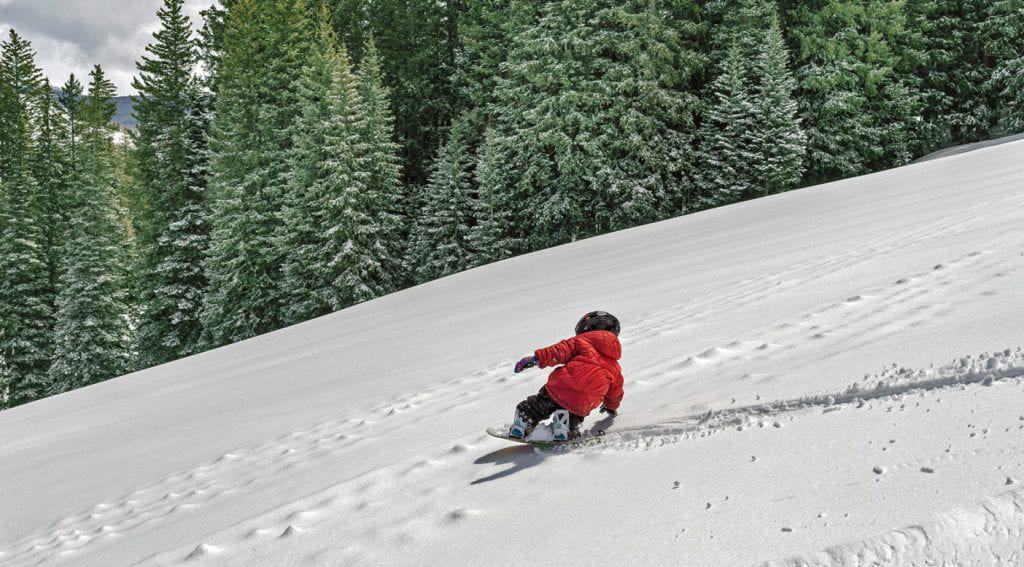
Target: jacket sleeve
{"type": "Point", "coordinates": [614, 396]}
{"type": "Point", "coordinates": [558, 353]}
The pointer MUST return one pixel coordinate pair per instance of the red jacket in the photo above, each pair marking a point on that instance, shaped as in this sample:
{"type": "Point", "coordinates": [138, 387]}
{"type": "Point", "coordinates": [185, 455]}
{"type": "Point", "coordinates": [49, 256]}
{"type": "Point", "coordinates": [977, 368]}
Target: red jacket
{"type": "Point", "coordinates": [590, 375]}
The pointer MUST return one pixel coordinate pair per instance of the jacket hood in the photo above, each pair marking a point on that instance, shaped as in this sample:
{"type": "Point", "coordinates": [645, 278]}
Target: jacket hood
{"type": "Point", "coordinates": [604, 342]}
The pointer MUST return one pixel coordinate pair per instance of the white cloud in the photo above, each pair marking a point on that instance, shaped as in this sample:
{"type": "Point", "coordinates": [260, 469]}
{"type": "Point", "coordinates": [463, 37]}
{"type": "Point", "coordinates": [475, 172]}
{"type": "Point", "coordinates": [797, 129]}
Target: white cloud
{"type": "Point", "coordinates": [70, 36]}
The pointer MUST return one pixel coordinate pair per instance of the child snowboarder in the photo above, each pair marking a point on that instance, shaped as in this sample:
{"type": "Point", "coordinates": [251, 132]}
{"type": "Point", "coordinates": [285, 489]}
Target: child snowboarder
{"type": "Point", "coordinates": [589, 376]}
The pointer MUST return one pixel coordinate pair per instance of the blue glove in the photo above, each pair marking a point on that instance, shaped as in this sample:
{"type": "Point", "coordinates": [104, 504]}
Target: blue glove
{"type": "Point", "coordinates": [610, 412]}
{"type": "Point", "coordinates": [528, 362]}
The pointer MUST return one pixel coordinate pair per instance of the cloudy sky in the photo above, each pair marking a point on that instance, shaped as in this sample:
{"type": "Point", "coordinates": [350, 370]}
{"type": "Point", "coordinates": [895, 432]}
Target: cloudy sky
{"type": "Point", "coordinates": [70, 36]}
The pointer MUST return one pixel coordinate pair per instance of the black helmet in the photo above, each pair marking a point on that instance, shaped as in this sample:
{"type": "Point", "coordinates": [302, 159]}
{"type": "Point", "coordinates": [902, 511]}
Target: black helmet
{"type": "Point", "coordinates": [598, 321]}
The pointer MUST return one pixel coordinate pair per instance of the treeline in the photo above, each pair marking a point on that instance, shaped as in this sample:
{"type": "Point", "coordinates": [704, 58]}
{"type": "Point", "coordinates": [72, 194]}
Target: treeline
{"type": "Point", "coordinates": [294, 157]}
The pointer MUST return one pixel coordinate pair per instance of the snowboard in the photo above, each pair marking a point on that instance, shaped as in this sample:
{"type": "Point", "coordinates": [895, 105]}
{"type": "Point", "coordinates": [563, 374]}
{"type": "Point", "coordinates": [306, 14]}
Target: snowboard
{"type": "Point", "coordinates": [541, 437]}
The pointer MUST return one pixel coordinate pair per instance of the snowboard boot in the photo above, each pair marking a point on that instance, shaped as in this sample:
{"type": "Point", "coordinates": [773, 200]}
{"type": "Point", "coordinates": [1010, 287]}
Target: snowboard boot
{"type": "Point", "coordinates": [521, 427]}
{"type": "Point", "coordinates": [561, 426]}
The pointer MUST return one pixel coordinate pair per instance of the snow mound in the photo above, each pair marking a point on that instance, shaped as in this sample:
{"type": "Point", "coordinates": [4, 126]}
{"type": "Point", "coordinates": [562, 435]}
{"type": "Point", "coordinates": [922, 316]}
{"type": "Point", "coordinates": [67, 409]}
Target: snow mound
{"type": "Point", "coordinates": [991, 533]}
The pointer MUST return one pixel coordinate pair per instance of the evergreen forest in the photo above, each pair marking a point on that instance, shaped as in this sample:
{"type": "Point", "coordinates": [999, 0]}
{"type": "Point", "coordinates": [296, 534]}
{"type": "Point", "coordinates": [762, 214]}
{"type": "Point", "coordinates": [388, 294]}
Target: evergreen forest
{"type": "Point", "coordinates": [295, 157]}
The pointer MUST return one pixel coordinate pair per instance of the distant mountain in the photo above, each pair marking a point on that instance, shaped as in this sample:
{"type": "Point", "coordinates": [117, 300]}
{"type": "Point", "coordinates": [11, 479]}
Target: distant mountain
{"type": "Point", "coordinates": [124, 116]}
{"type": "Point", "coordinates": [125, 109]}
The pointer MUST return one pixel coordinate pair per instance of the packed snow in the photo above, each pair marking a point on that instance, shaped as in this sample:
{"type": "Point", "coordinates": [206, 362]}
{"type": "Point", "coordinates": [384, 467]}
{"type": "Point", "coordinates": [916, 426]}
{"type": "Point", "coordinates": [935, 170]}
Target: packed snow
{"type": "Point", "coordinates": [830, 376]}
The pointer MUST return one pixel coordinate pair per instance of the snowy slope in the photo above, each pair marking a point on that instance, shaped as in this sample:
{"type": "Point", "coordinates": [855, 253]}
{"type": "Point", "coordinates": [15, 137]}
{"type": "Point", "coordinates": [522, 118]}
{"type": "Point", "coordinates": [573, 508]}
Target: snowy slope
{"type": "Point", "coordinates": [964, 148]}
{"type": "Point", "coordinates": [763, 418]}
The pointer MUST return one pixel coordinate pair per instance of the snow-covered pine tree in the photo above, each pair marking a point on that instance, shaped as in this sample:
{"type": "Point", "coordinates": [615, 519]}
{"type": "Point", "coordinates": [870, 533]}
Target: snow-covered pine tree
{"type": "Point", "coordinates": [857, 112]}
{"type": "Point", "coordinates": [334, 250]}
{"type": "Point", "coordinates": [781, 143]}
{"type": "Point", "coordinates": [21, 81]}
{"type": "Point", "coordinates": [93, 341]}
{"type": "Point", "coordinates": [265, 47]}
{"type": "Point", "coordinates": [594, 121]}
{"type": "Point", "coordinates": [170, 178]}
{"type": "Point", "coordinates": [1003, 31]}
{"type": "Point", "coordinates": [71, 100]}
{"type": "Point", "coordinates": [486, 31]}
{"type": "Point", "coordinates": [751, 140]}
{"type": "Point", "coordinates": [442, 238]}
{"type": "Point", "coordinates": [385, 193]}
{"type": "Point", "coordinates": [26, 310]}
{"type": "Point", "coordinates": [417, 41]}
{"type": "Point", "coordinates": [211, 40]}
{"type": "Point", "coordinates": [491, 238]}
{"type": "Point", "coordinates": [26, 291]}
{"type": "Point", "coordinates": [50, 167]}
{"type": "Point", "coordinates": [956, 69]}
{"type": "Point", "coordinates": [730, 143]}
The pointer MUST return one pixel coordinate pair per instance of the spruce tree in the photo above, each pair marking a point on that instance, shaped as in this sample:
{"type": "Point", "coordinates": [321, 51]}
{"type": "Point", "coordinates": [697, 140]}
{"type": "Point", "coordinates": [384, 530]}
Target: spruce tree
{"type": "Point", "coordinates": [857, 112]}
{"type": "Point", "coordinates": [265, 47]}
{"type": "Point", "coordinates": [781, 143]}
{"type": "Point", "coordinates": [443, 235]}
{"type": "Point", "coordinates": [385, 193]}
{"type": "Point", "coordinates": [26, 290]}
{"type": "Point", "coordinates": [729, 142]}
{"type": "Point", "coordinates": [93, 341]}
{"type": "Point", "coordinates": [71, 100]}
{"type": "Point", "coordinates": [1003, 31]}
{"type": "Point", "coordinates": [26, 310]}
{"type": "Point", "coordinates": [417, 40]}
{"type": "Point", "coordinates": [21, 81]}
{"type": "Point", "coordinates": [486, 32]}
{"type": "Point", "coordinates": [752, 142]}
{"type": "Point", "coordinates": [50, 167]}
{"type": "Point", "coordinates": [334, 249]}
{"type": "Point", "coordinates": [959, 102]}
{"type": "Point", "coordinates": [594, 121]}
{"type": "Point", "coordinates": [170, 178]}
{"type": "Point", "coordinates": [491, 239]}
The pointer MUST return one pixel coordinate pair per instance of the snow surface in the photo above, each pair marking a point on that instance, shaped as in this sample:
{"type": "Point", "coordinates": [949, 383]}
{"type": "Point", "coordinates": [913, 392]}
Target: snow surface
{"type": "Point", "coordinates": [804, 387]}
{"type": "Point", "coordinates": [964, 148]}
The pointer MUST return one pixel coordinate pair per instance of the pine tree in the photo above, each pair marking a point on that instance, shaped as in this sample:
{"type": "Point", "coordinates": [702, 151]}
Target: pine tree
{"type": "Point", "coordinates": [594, 121]}
{"type": "Point", "coordinates": [26, 291]}
{"type": "Point", "coordinates": [781, 143]}
{"type": "Point", "coordinates": [385, 193]}
{"type": "Point", "coordinates": [265, 46]}
{"type": "Point", "coordinates": [26, 311]}
{"type": "Point", "coordinates": [211, 41]}
{"type": "Point", "coordinates": [959, 104]}
{"type": "Point", "coordinates": [730, 143]}
{"type": "Point", "coordinates": [491, 239]}
{"type": "Point", "coordinates": [170, 178]}
{"type": "Point", "coordinates": [50, 167]}
{"type": "Point", "coordinates": [442, 239]}
{"type": "Point", "coordinates": [1003, 31]}
{"type": "Point", "coordinates": [71, 101]}
{"type": "Point", "coordinates": [93, 341]}
{"type": "Point", "coordinates": [487, 29]}
{"type": "Point", "coordinates": [334, 250]}
{"type": "Point", "coordinates": [858, 114]}
{"type": "Point", "coordinates": [417, 40]}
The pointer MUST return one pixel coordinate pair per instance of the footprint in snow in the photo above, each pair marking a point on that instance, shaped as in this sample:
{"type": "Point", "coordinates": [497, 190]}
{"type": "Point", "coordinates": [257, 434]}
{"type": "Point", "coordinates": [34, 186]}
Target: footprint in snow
{"type": "Point", "coordinates": [460, 514]}
{"type": "Point", "coordinates": [204, 550]}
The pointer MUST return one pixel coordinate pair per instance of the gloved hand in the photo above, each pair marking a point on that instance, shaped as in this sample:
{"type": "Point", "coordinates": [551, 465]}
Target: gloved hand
{"type": "Point", "coordinates": [528, 362]}
{"type": "Point", "coordinates": [610, 412]}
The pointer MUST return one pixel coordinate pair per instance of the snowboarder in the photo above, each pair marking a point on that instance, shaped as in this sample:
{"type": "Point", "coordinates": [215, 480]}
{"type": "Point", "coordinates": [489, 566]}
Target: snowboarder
{"type": "Point", "coordinates": [589, 376]}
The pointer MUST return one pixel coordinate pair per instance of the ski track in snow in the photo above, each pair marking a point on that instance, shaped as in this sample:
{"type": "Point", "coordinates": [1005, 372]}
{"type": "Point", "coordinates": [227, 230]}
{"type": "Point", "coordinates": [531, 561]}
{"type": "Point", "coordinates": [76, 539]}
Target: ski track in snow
{"type": "Point", "coordinates": [923, 295]}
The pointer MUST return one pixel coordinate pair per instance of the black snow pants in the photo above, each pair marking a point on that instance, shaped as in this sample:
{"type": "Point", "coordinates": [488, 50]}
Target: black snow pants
{"type": "Point", "coordinates": [540, 406]}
